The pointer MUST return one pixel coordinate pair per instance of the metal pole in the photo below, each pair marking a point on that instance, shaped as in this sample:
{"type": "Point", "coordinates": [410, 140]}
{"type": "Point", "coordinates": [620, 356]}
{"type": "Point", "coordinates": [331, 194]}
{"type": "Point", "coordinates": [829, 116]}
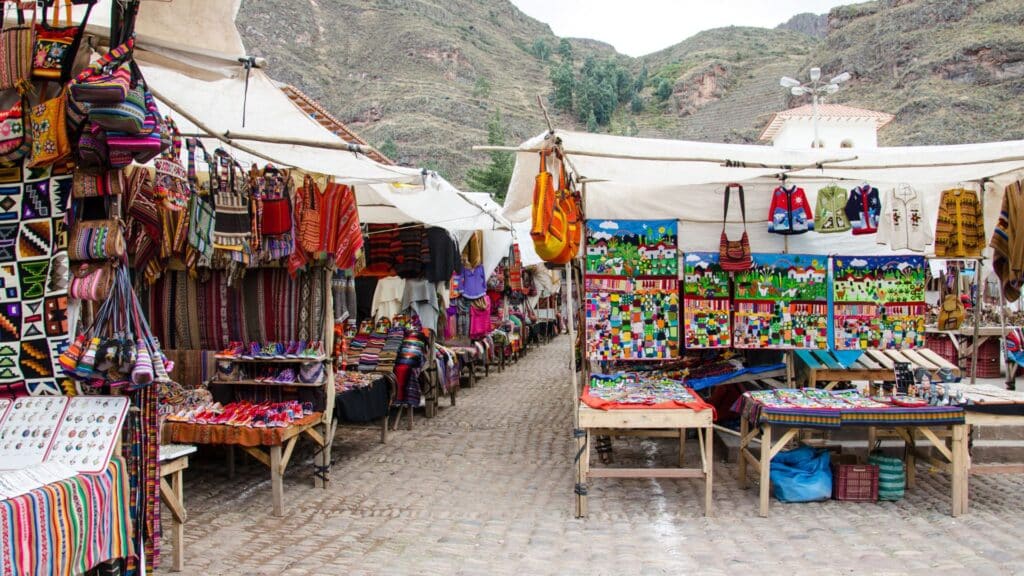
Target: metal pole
{"type": "Point", "coordinates": [978, 264]}
{"type": "Point", "coordinates": [814, 100]}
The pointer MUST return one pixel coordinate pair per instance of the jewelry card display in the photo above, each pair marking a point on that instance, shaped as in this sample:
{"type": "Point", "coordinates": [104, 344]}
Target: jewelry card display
{"type": "Point", "coordinates": [78, 431]}
{"type": "Point", "coordinates": [88, 431]}
{"type": "Point", "coordinates": [706, 304]}
{"type": "Point", "coordinates": [878, 302]}
{"type": "Point", "coordinates": [27, 431]}
{"type": "Point", "coordinates": [632, 290]}
{"type": "Point", "coordinates": [782, 302]}
{"type": "Point", "coordinates": [17, 482]}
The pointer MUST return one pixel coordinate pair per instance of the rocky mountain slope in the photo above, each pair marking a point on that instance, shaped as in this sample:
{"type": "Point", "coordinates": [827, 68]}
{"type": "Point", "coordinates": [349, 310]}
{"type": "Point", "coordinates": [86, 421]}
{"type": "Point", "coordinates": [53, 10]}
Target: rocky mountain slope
{"type": "Point", "coordinates": [428, 75]}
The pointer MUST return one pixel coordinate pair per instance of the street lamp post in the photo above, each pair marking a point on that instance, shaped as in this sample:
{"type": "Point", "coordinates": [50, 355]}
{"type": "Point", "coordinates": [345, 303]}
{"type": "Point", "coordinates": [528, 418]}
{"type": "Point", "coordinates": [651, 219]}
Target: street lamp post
{"type": "Point", "coordinates": [816, 88]}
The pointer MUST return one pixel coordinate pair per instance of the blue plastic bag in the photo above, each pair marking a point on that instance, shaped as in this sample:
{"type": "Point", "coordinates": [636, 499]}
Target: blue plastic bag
{"type": "Point", "coordinates": [802, 475]}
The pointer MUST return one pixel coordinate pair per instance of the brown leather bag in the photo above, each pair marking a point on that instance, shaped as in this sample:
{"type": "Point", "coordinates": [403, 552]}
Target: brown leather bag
{"type": "Point", "coordinates": [734, 255]}
{"type": "Point", "coordinates": [951, 310]}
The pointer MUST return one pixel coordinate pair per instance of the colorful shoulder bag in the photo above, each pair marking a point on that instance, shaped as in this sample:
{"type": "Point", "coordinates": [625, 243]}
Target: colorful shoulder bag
{"type": "Point", "coordinates": [14, 144]}
{"type": "Point", "coordinates": [50, 142]}
{"type": "Point", "coordinates": [16, 44]}
{"type": "Point", "coordinates": [201, 213]}
{"type": "Point", "coordinates": [56, 43]}
{"type": "Point", "coordinates": [734, 255]}
{"type": "Point", "coordinates": [106, 81]}
{"type": "Point", "coordinates": [549, 230]}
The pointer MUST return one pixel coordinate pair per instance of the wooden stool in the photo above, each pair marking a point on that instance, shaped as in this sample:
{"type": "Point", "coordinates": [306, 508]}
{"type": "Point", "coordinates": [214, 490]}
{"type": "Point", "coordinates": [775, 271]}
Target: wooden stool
{"type": "Point", "coordinates": [173, 460]}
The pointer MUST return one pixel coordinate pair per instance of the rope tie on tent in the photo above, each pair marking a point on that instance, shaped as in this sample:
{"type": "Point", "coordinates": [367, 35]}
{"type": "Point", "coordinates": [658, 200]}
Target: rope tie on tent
{"type": "Point", "coordinates": [249, 62]}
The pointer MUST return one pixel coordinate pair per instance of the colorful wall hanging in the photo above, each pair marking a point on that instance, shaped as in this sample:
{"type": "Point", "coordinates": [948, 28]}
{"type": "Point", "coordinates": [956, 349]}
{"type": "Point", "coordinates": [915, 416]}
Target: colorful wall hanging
{"type": "Point", "coordinates": [632, 290]}
{"type": "Point", "coordinates": [878, 302]}
{"type": "Point", "coordinates": [782, 302]}
{"type": "Point", "coordinates": [33, 279]}
{"type": "Point", "coordinates": [706, 302]}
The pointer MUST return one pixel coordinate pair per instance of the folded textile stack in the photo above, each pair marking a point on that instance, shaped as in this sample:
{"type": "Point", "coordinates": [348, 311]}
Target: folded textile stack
{"type": "Point", "coordinates": [369, 358]}
{"type": "Point", "coordinates": [245, 413]}
{"type": "Point", "coordinates": [390, 350]}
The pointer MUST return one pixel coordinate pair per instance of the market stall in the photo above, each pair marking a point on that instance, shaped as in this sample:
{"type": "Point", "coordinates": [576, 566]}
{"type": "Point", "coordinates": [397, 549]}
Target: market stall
{"type": "Point", "coordinates": [830, 266]}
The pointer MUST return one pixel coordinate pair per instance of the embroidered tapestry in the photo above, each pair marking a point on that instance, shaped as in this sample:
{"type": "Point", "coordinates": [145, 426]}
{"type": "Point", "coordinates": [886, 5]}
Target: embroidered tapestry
{"type": "Point", "coordinates": [878, 302]}
{"type": "Point", "coordinates": [782, 302]}
{"type": "Point", "coordinates": [706, 302]}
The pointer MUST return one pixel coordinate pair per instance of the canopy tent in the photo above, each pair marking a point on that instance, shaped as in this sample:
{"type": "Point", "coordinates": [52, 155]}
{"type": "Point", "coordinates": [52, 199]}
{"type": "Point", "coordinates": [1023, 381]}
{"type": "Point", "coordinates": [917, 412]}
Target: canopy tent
{"type": "Point", "coordinates": [638, 178]}
{"type": "Point", "coordinates": [527, 253]}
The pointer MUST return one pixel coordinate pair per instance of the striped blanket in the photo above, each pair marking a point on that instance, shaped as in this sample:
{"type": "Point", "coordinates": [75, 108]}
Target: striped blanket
{"type": "Point", "coordinates": [66, 527]}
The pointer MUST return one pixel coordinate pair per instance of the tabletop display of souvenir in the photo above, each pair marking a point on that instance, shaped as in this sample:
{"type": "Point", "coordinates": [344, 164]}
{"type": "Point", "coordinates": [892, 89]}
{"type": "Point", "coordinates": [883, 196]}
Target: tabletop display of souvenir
{"type": "Point", "coordinates": [814, 399]}
{"type": "Point", "coordinates": [17, 482]}
{"type": "Point", "coordinates": [244, 413]}
{"type": "Point", "coordinates": [79, 431]}
{"type": "Point", "coordinates": [638, 388]}
{"type": "Point", "coordinates": [350, 380]}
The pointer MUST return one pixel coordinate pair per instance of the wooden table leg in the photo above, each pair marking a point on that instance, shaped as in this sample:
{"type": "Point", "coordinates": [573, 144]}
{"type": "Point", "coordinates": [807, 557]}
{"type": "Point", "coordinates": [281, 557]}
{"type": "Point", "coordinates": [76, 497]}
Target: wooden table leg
{"type": "Point", "coordinates": [959, 469]}
{"type": "Point", "coordinates": [178, 527]}
{"type": "Point", "coordinates": [276, 480]}
{"type": "Point", "coordinates": [682, 447]}
{"type": "Point", "coordinates": [766, 463]}
{"type": "Point", "coordinates": [582, 471]}
{"type": "Point", "coordinates": [742, 460]}
{"type": "Point", "coordinates": [911, 462]}
{"type": "Point", "coordinates": [709, 440]}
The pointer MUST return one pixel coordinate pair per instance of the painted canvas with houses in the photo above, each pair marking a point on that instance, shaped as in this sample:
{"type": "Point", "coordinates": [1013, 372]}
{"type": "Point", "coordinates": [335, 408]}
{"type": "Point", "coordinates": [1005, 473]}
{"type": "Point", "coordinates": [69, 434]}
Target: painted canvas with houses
{"type": "Point", "coordinates": [706, 302]}
{"type": "Point", "coordinates": [782, 302]}
{"type": "Point", "coordinates": [633, 248]}
{"type": "Point", "coordinates": [878, 302]}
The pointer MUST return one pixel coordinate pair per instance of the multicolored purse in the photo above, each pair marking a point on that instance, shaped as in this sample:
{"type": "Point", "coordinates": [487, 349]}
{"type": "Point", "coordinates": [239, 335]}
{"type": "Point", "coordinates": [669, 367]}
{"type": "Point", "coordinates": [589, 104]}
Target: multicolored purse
{"type": "Point", "coordinates": [92, 148]}
{"type": "Point", "coordinates": [56, 46]}
{"type": "Point", "coordinates": [49, 131]}
{"type": "Point", "coordinates": [16, 43]}
{"type": "Point", "coordinates": [127, 116]}
{"type": "Point", "coordinates": [277, 205]}
{"type": "Point", "coordinates": [142, 147]}
{"type": "Point", "coordinates": [108, 80]}
{"type": "Point", "coordinates": [734, 255]}
{"type": "Point", "coordinates": [310, 217]}
{"type": "Point", "coordinates": [96, 240]}
{"type": "Point", "coordinates": [200, 213]}
{"type": "Point", "coordinates": [91, 185]}
{"type": "Point", "coordinates": [171, 179]}
{"type": "Point", "coordinates": [92, 281]}
{"type": "Point", "coordinates": [13, 143]}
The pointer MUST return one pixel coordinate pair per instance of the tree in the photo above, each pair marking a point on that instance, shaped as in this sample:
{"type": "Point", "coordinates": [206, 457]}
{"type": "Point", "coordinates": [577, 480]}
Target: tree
{"type": "Point", "coordinates": [623, 83]}
{"type": "Point", "coordinates": [564, 83]}
{"type": "Point", "coordinates": [482, 88]}
{"type": "Point", "coordinates": [565, 51]}
{"type": "Point", "coordinates": [541, 50]}
{"type": "Point", "coordinates": [636, 104]}
{"type": "Point", "coordinates": [389, 149]}
{"type": "Point", "coordinates": [591, 122]}
{"type": "Point", "coordinates": [664, 89]}
{"type": "Point", "coordinates": [641, 79]}
{"type": "Point", "coordinates": [494, 177]}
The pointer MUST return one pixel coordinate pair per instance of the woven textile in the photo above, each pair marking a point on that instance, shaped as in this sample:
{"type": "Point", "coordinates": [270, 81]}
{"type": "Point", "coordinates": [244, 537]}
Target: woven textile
{"type": "Point", "coordinates": [185, 433]}
{"type": "Point", "coordinates": [822, 418]}
{"type": "Point", "coordinates": [66, 527]}
{"type": "Point", "coordinates": [33, 279]}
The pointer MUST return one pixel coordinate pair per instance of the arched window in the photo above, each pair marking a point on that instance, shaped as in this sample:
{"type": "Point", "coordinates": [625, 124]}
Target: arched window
{"type": "Point", "coordinates": [847, 143]}
{"type": "Point", "coordinates": [819, 144]}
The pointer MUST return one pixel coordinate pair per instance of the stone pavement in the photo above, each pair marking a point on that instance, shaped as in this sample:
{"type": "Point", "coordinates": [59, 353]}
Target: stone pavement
{"type": "Point", "coordinates": [486, 488]}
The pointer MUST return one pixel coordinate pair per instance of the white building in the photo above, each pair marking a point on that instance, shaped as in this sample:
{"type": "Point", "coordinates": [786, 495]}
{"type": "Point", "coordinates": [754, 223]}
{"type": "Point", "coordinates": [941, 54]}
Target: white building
{"type": "Point", "coordinates": [838, 127]}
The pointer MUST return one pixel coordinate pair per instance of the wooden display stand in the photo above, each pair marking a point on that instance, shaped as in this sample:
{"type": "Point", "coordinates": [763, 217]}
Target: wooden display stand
{"type": "Point", "coordinates": [957, 460]}
{"type": "Point", "coordinates": [654, 422]}
{"type": "Point", "coordinates": [823, 368]}
{"type": "Point", "coordinates": [173, 461]}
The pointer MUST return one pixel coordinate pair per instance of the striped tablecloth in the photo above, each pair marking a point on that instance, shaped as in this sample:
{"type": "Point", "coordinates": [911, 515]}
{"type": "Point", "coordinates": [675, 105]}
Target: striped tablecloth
{"type": "Point", "coordinates": [67, 527]}
{"type": "Point", "coordinates": [818, 418]}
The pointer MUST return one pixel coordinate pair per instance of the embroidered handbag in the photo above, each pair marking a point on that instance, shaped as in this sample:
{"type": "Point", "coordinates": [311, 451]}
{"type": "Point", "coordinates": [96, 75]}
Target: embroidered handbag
{"type": "Point", "coordinates": [56, 46]}
{"type": "Point", "coordinates": [127, 116]}
{"type": "Point", "coordinates": [200, 210]}
{"type": "Point", "coordinates": [16, 44]}
{"type": "Point", "coordinates": [49, 132]}
{"type": "Point", "coordinates": [143, 146]}
{"type": "Point", "coordinates": [92, 281]}
{"type": "Point", "coordinates": [13, 143]}
{"type": "Point", "coordinates": [277, 206]}
{"type": "Point", "coordinates": [309, 219]}
{"type": "Point", "coordinates": [734, 255]}
{"type": "Point", "coordinates": [93, 152]}
{"type": "Point", "coordinates": [106, 81]}
{"type": "Point", "coordinates": [86, 184]}
{"type": "Point", "coordinates": [550, 229]}
{"type": "Point", "coordinates": [96, 240]}
{"type": "Point", "coordinates": [568, 205]}
{"type": "Point", "coordinates": [951, 311]}
{"type": "Point", "coordinates": [171, 178]}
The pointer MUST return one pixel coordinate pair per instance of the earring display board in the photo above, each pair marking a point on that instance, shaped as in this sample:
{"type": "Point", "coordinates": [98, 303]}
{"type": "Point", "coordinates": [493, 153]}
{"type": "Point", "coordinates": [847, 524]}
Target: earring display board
{"type": "Point", "coordinates": [782, 302]}
{"type": "Point", "coordinates": [78, 431]}
{"type": "Point", "coordinates": [878, 302]}
{"type": "Point", "coordinates": [706, 302]}
{"type": "Point", "coordinates": [632, 289]}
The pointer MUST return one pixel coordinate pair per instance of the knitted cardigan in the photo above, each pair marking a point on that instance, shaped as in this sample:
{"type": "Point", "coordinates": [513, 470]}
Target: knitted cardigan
{"type": "Point", "coordinates": [960, 231]}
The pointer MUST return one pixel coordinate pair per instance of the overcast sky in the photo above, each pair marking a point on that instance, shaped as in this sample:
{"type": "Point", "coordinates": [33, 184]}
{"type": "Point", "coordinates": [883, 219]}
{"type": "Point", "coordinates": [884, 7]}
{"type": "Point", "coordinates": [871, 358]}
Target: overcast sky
{"type": "Point", "coordinates": [638, 27]}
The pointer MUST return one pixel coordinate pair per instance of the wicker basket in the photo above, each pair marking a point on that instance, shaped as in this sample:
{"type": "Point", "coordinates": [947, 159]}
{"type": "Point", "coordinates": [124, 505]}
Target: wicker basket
{"type": "Point", "coordinates": [855, 482]}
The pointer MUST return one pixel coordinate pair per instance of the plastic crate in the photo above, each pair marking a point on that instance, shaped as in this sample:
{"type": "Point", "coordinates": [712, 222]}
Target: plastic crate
{"type": "Point", "coordinates": [855, 482]}
{"type": "Point", "coordinates": [943, 346]}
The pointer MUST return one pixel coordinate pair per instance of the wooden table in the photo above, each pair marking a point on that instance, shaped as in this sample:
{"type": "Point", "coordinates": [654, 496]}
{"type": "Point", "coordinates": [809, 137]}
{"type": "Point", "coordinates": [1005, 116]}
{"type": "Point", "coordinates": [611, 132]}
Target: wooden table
{"type": "Point", "coordinates": [822, 367]}
{"type": "Point", "coordinates": [173, 461]}
{"type": "Point", "coordinates": [955, 452]}
{"type": "Point", "coordinates": [651, 422]}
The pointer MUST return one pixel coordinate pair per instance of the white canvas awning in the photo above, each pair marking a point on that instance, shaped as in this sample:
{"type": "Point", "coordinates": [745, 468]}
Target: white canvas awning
{"type": "Point", "coordinates": [642, 178]}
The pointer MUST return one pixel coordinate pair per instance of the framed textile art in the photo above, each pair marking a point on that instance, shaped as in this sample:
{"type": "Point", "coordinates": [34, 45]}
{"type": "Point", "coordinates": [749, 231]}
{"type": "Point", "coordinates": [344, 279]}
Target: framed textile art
{"type": "Point", "coordinates": [782, 302]}
{"type": "Point", "coordinates": [632, 290]}
{"type": "Point", "coordinates": [706, 302]}
{"type": "Point", "coordinates": [878, 302]}
{"type": "Point", "coordinates": [33, 279]}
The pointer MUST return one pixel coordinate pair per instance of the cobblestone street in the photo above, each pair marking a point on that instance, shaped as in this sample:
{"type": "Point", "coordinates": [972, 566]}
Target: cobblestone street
{"type": "Point", "coordinates": [486, 488]}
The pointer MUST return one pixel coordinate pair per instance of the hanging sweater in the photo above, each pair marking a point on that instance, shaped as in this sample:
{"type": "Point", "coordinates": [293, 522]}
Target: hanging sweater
{"type": "Point", "coordinates": [902, 224]}
{"type": "Point", "coordinates": [445, 258]}
{"type": "Point", "coordinates": [1008, 242]}
{"type": "Point", "coordinates": [960, 231]}
{"type": "Point", "coordinates": [830, 210]}
{"type": "Point", "coordinates": [863, 209]}
{"type": "Point", "coordinates": [790, 213]}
